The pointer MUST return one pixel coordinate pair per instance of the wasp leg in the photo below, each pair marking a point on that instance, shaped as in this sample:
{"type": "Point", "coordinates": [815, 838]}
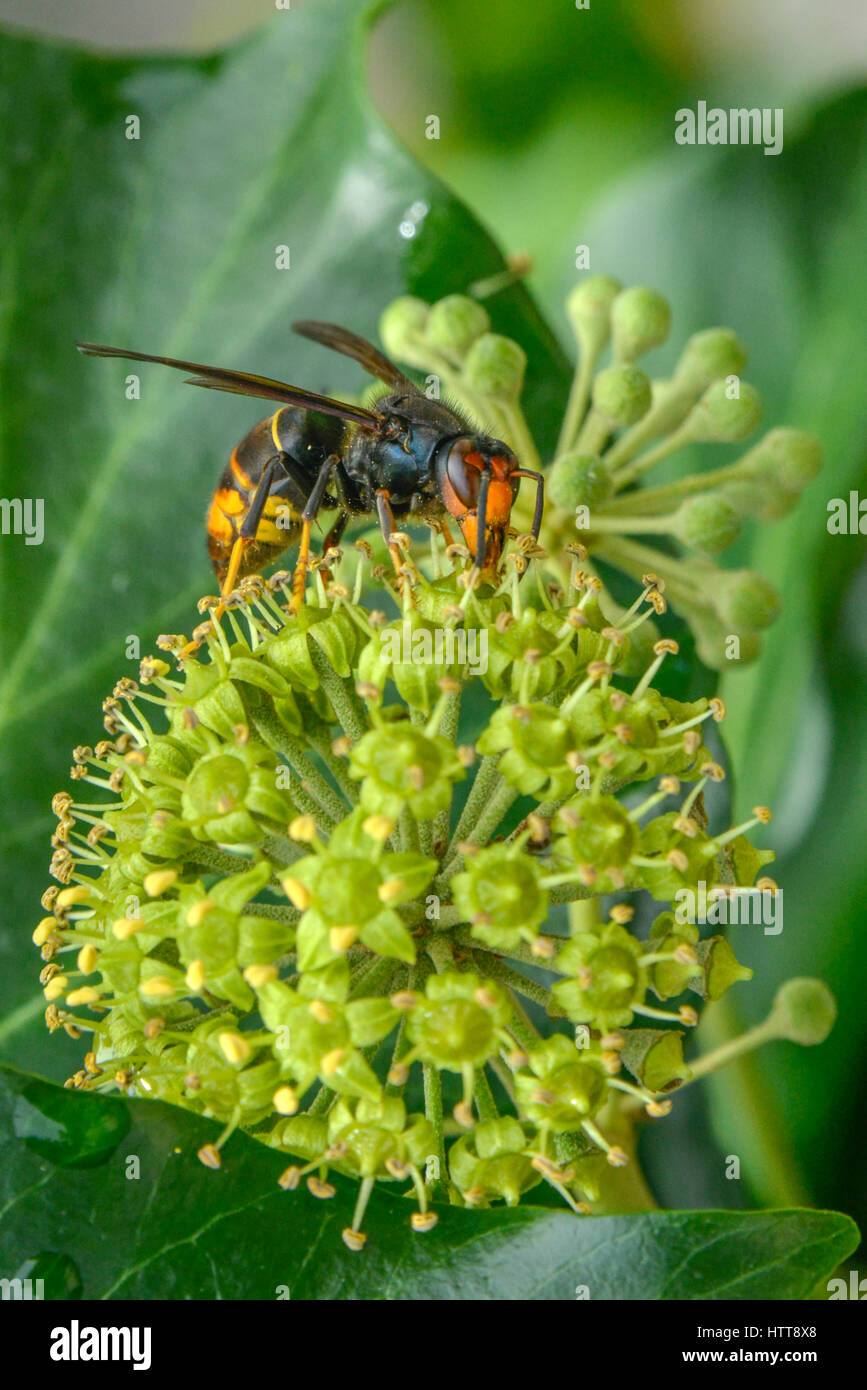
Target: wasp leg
{"type": "Point", "coordinates": [333, 538]}
{"type": "Point", "coordinates": [294, 486]}
{"type": "Point", "coordinates": [250, 524]}
{"type": "Point", "coordinates": [308, 516]}
{"type": "Point", "coordinates": [446, 533]}
{"type": "Point", "coordinates": [386, 526]}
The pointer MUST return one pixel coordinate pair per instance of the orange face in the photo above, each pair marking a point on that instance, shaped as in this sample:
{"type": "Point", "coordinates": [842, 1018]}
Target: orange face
{"type": "Point", "coordinates": [462, 493]}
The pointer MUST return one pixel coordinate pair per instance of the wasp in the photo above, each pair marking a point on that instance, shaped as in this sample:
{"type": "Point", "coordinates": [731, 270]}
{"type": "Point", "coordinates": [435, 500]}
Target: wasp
{"type": "Point", "coordinates": [406, 457]}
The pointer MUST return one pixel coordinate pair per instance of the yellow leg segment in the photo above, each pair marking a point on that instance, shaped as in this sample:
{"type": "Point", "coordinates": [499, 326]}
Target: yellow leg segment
{"type": "Point", "coordinates": [299, 578]}
{"type": "Point", "coordinates": [234, 566]}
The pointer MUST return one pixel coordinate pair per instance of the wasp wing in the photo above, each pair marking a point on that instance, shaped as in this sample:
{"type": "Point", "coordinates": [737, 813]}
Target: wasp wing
{"type": "Point", "coordinates": [331, 335]}
{"type": "Point", "coordinates": [247, 384]}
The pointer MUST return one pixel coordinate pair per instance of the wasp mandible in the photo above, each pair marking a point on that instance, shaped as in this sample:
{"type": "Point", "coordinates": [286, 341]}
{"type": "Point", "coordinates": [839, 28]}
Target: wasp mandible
{"type": "Point", "coordinates": [408, 456]}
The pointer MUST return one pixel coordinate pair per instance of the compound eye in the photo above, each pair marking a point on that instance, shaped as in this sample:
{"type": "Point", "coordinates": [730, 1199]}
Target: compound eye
{"type": "Point", "coordinates": [463, 468]}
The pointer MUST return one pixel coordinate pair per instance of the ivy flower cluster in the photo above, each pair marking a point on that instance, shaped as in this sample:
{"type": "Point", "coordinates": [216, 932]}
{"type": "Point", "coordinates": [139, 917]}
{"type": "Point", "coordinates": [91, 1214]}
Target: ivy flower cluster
{"type": "Point", "coordinates": [263, 890]}
{"type": "Point", "coordinates": [408, 918]}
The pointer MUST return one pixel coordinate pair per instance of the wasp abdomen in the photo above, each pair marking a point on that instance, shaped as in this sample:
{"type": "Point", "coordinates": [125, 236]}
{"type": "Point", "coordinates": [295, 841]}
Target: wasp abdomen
{"type": "Point", "coordinates": [306, 438]}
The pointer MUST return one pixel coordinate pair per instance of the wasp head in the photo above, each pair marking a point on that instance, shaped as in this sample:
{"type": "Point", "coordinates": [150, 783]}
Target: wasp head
{"type": "Point", "coordinates": [478, 480]}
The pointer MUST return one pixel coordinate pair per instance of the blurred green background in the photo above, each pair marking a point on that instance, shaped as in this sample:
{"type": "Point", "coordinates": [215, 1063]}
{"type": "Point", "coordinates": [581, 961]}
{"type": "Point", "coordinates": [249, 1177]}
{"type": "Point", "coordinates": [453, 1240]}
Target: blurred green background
{"type": "Point", "coordinates": [556, 129]}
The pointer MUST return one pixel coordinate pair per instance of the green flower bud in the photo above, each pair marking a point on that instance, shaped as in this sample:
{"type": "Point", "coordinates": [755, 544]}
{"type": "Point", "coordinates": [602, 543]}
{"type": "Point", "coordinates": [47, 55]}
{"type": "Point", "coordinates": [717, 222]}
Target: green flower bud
{"type": "Point", "coordinates": [588, 308]}
{"type": "Point", "coordinates": [670, 978]}
{"type": "Point", "coordinates": [402, 766]}
{"type": "Point", "coordinates": [553, 659]}
{"type": "Point", "coordinates": [682, 861]}
{"type": "Point", "coordinates": [402, 324]}
{"type": "Point", "coordinates": [604, 979]}
{"type": "Point", "coordinates": [708, 523]}
{"type": "Point", "coordinates": [304, 1135]}
{"type": "Point", "coordinates": [721, 418]}
{"type": "Point", "coordinates": [454, 324]}
{"type": "Point", "coordinates": [655, 1058]}
{"type": "Point", "coordinates": [374, 1131]}
{"type": "Point", "coordinates": [709, 355]}
{"type": "Point", "coordinates": [748, 860]}
{"type": "Point", "coordinates": [579, 480]}
{"type": "Point", "coordinates": [451, 1028]}
{"type": "Point", "coordinates": [747, 600]}
{"type": "Point", "coordinates": [217, 787]}
{"type": "Point", "coordinates": [490, 1161]}
{"type": "Point", "coordinates": [760, 496]}
{"type": "Point", "coordinates": [720, 968]}
{"type": "Point", "coordinates": [804, 1011]}
{"type": "Point", "coordinates": [621, 395]}
{"type": "Point", "coordinates": [791, 458]}
{"type": "Point", "coordinates": [713, 645]}
{"type": "Point", "coordinates": [640, 320]}
{"type": "Point", "coordinates": [533, 741]}
{"type": "Point", "coordinates": [500, 893]}
{"type": "Point", "coordinates": [226, 792]}
{"type": "Point", "coordinates": [495, 366]}
{"type": "Point", "coordinates": [169, 756]}
{"type": "Point", "coordinates": [597, 831]}
{"type": "Point", "coordinates": [219, 707]}
{"type": "Point", "coordinates": [559, 1089]}
{"type": "Point", "coordinates": [408, 650]}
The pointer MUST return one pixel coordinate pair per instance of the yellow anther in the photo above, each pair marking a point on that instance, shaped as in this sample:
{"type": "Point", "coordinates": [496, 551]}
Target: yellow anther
{"type": "Point", "coordinates": [259, 975]}
{"type": "Point", "coordinates": [157, 987]}
{"type": "Point", "coordinates": [47, 927]}
{"type": "Point", "coordinates": [234, 1048]}
{"type": "Point", "coordinates": [323, 1190]}
{"type": "Point", "coordinates": [391, 889]}
{"type": "Point", "coordinates": [199, 911]}
{"type": "Point", "coordinates": [70, 897]}
{"type": "Point", "coordinates": [297, 892]}
{"type": "Point", "coordinates": [422, 1221]}
{"type": "Point", "coordinates": [126, 927]}
{"type": "Point", "coordinates": [378, 827]}
{"type": "Point", "coordinates": [341, 938]}
{"type": "Point", "coordinates": [87, 960]}
{"type": "Point", "coordinates": [285, 1101]}
{"type": "Point", "coordinates": [196, 976]}
{"type": "Point", "coordinates": [332, 1060]}
{"type": "Point", "coordinates": [160, 881]}
{"type": "Point", "coordinates": [86, 995]}
{"type": "Point", "coordinates": [303, 829]}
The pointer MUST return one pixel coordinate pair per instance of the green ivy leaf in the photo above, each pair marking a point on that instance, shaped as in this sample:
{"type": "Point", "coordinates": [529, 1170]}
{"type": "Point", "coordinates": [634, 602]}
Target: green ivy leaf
{"type": "Point", "coordinates": [170, 1228]}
